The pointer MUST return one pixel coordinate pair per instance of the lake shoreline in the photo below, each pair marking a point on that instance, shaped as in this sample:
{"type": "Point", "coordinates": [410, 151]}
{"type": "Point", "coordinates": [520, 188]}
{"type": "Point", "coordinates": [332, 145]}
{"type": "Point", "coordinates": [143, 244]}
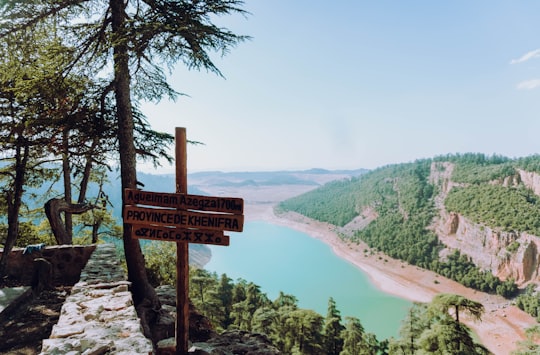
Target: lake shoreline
{"type": "Point", "coordinates": [502, 325]}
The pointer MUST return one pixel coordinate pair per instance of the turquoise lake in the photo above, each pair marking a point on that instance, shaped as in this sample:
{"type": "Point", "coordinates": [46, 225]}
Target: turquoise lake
{"type": "Point", "coordinates": [282, 259]}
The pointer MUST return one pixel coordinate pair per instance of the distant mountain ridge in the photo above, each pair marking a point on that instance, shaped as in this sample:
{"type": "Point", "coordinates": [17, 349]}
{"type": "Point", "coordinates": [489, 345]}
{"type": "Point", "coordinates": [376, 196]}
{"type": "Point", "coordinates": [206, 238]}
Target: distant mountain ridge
{"type": "Point", "coordinates": [270, 178]}
{"type": "Point", "coordinates": [199, 180]}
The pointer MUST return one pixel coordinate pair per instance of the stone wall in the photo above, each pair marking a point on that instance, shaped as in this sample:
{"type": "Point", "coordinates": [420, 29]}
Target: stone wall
{"type": "Point", "coordinates": [67, 262]}
{"type": "Point", "coordinates": [99, 316]}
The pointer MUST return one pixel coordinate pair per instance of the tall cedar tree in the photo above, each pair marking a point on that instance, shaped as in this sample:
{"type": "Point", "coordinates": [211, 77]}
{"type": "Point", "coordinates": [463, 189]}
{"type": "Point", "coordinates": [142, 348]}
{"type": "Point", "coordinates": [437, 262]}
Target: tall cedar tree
{"type": "Point", "coordinates": [333, 341]}
{"type": "Point", "coordinates": [23, 83]}
{"type": "Point", "coordinates": [142, 35]}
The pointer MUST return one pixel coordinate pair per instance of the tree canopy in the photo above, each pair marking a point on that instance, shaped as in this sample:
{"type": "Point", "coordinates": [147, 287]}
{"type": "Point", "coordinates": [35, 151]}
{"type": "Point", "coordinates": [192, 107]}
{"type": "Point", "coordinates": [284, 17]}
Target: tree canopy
{"type": "Point", "coordinates": [125, 45]}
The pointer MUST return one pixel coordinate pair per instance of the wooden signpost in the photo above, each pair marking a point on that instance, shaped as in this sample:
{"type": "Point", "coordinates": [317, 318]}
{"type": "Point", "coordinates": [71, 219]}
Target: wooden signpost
{"type": "Point", "coordinates": [182, 218]}
{"type": "Point", "coordinates": [186, 219]}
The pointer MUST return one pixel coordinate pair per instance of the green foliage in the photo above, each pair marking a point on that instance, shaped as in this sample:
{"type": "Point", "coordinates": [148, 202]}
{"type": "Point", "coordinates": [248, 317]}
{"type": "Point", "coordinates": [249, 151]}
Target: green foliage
{"type": "Point", "coordinates": [333, 203]}
{"type": "Point", "coordinates": [471, 172]}
{"type": "Point", "coordinates": [333, 343]}
{"type": "Point", "coordinates": [355, 339]}
{"type": "Point", "coordinates": [242, 305]}
{"type": "Point", "coordinates": [531, 345]}
{"type": "Point", "coordinates": [160, 261]}
{"type": "Point", "coordinates": [510, 209]}
{"type": "Point", "coordinates": [529, 301]}
{"type": "Point", "coordinates": [411, 330]}
{"type": "Point", "coordinates": [430, 328]}
{"type": "Point", "coordinates": [444, 302]}
{"type": "Point", "coordinates": [28, 234]}
{"type": "Point", "coordinates": [400, 194]}
{"type": "Point", "coordinates": [530, 163]}
{"type": "Point", "coordinates": [460, 268]}
{"type": "Point", "coordinates": [513, 247]}
{"type": "Point", "coordinates": [473, 159]}
{"type": "Point", "coordinates": [403, 201]}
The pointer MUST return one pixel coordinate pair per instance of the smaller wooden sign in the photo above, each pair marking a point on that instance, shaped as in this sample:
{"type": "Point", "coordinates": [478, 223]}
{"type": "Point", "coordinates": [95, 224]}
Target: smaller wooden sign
{"type": "Point", "coordinates": [173, 234]}
{"type": "Point", "coordinates": [186, 219]}
{"type": "Point", "coordinates": [184, 201]}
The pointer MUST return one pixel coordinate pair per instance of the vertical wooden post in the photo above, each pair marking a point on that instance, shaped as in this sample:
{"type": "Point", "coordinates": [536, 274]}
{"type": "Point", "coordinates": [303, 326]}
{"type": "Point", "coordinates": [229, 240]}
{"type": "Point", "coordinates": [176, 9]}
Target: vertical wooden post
{"type": "Point", "coordinates": [182, 253]}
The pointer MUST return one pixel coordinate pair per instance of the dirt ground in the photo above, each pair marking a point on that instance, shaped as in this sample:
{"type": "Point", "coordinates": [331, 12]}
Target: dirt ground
{"type": "Point", "coordinates": [22, 331]}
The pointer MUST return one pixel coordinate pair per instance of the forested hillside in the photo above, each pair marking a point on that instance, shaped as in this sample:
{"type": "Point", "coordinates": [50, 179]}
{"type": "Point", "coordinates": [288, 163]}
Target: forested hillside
{"type": "Point", "coordinates": [410, 199]}
{"type": "Point", "coordinates": [242, 305]}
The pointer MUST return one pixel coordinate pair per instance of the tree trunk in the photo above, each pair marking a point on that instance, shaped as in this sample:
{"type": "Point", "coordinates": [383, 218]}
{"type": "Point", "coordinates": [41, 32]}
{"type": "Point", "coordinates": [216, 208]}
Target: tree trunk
{"type": "Point", "coordinates": [87, 171]}
{"type": "Point", "coordinates": [14, 201]}
{"type": "Point", "coordinates": [97, 220]}
{"type": "Point", "coordinates": [95, 229]}
{"type": "Point", "coordinates": [54, 209]}
{"type": "Point", "coordinates": [43, 277]}
{"type": "Point", "coordinates": [68, 220]}
{"type": "Point", "coordinates": [144, 295]}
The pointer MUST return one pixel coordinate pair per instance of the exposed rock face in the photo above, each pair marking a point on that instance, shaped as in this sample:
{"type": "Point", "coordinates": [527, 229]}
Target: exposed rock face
{"type": "Point", "coordinates": [366, 216]}
{"type": "Point", "coordinates": [523, 265]}
{"type": "Point", "coordinates": [490, 249]}
{"type": "Point", "coordinates": [531, 180]}
{"type": "Point", "coordinates": [505, 254]}
{"type": "Point", "coordinates": [452, 224]}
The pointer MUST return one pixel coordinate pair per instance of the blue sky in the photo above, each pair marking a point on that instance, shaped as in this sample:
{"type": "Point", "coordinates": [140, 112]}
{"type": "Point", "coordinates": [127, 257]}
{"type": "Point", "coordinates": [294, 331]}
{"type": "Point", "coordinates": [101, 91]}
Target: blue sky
{"type": "Point", "coordinates": [349, 84]}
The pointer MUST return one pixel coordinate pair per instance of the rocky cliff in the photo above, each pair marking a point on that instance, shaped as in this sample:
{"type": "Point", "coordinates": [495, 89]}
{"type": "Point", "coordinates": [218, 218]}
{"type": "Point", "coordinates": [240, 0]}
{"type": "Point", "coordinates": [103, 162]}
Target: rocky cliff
{"type": "Point", "coordinates": [505, 254]}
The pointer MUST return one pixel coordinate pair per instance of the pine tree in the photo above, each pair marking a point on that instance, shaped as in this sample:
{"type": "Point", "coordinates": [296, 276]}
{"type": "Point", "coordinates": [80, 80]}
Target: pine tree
{"type": "Point", "coordinates": [333, 343]}
{"type": "Point", "coordinates": [353, 338]}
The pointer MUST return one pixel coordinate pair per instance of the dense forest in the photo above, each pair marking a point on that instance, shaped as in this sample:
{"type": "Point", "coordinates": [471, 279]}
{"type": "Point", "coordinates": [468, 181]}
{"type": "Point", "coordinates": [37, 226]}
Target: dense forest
{"type": "Point", "coordinates": [240, 304]}
{"type": "Point", "coordinates": [488, 192]}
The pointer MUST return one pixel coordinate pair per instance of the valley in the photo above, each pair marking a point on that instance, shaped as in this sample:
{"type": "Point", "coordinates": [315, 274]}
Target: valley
{"type": "Point", "coordinates": [502, 325]}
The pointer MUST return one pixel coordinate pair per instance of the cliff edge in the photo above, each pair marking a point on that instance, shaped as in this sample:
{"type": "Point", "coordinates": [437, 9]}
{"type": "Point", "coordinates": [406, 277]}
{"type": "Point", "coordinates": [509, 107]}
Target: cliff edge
{"type": "Point", "coordinates": [507, 254]}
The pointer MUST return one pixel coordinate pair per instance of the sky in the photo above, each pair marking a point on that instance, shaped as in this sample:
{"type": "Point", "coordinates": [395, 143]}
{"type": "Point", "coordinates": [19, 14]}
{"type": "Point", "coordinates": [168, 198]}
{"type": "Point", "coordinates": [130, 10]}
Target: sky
{"type": "Point", "coordinates": [346, 84]}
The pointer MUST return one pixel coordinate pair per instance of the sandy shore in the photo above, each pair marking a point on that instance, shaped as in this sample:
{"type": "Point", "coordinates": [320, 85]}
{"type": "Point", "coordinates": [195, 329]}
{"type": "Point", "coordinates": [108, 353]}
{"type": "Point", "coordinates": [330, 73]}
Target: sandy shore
{"type": "Point", "coordinates": [502, 325]}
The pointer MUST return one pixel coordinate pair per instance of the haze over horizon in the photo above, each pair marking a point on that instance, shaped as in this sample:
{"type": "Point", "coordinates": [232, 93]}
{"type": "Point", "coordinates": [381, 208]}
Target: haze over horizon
{"type": "Point", "coordinates": [350, 85]}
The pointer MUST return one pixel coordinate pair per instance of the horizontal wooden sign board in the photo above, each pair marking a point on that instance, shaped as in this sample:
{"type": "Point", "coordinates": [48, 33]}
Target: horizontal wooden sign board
{"type": "Point", "coordinates": [186, 219]}
{"type": "Point", "coordinates": [174, 234]}
{"type": "Point", "coordinates": [184, 201]}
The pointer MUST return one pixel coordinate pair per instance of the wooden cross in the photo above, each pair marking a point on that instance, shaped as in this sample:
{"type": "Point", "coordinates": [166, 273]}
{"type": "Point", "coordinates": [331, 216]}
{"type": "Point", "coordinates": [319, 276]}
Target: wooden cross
{"type": "Point", "coordinates": [182, 218]}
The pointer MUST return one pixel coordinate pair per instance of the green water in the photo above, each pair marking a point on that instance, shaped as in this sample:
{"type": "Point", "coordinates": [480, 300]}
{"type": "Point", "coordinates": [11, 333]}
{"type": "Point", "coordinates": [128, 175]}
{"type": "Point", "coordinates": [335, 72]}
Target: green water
{"type": "Point", "coordinates": [282, 259]}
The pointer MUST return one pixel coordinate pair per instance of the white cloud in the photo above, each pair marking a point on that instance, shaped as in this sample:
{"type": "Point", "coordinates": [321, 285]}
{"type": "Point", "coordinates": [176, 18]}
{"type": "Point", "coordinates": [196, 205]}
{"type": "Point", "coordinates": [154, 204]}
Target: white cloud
{"type": "Point", "coordinates": [526, 57]}
{"type": "Point", "coordinates": [529, 84]}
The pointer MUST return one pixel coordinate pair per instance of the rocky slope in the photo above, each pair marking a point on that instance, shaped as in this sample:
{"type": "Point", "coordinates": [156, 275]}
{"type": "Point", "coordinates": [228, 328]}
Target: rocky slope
{"type": "Point", "coordinates": [505, 254]}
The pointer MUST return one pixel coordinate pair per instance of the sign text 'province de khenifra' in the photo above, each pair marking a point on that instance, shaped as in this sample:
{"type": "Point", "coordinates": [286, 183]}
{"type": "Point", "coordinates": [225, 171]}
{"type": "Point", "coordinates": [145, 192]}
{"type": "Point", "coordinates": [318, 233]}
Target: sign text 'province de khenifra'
{"type": "Point", "coordinates": [185, 218]}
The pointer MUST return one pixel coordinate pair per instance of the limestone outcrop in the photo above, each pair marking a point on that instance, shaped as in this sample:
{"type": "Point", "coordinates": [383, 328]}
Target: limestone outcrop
{"type": "Point", "coordinates": [531, 180]}
{"type": "Point", "coordinates": [506, 254]}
